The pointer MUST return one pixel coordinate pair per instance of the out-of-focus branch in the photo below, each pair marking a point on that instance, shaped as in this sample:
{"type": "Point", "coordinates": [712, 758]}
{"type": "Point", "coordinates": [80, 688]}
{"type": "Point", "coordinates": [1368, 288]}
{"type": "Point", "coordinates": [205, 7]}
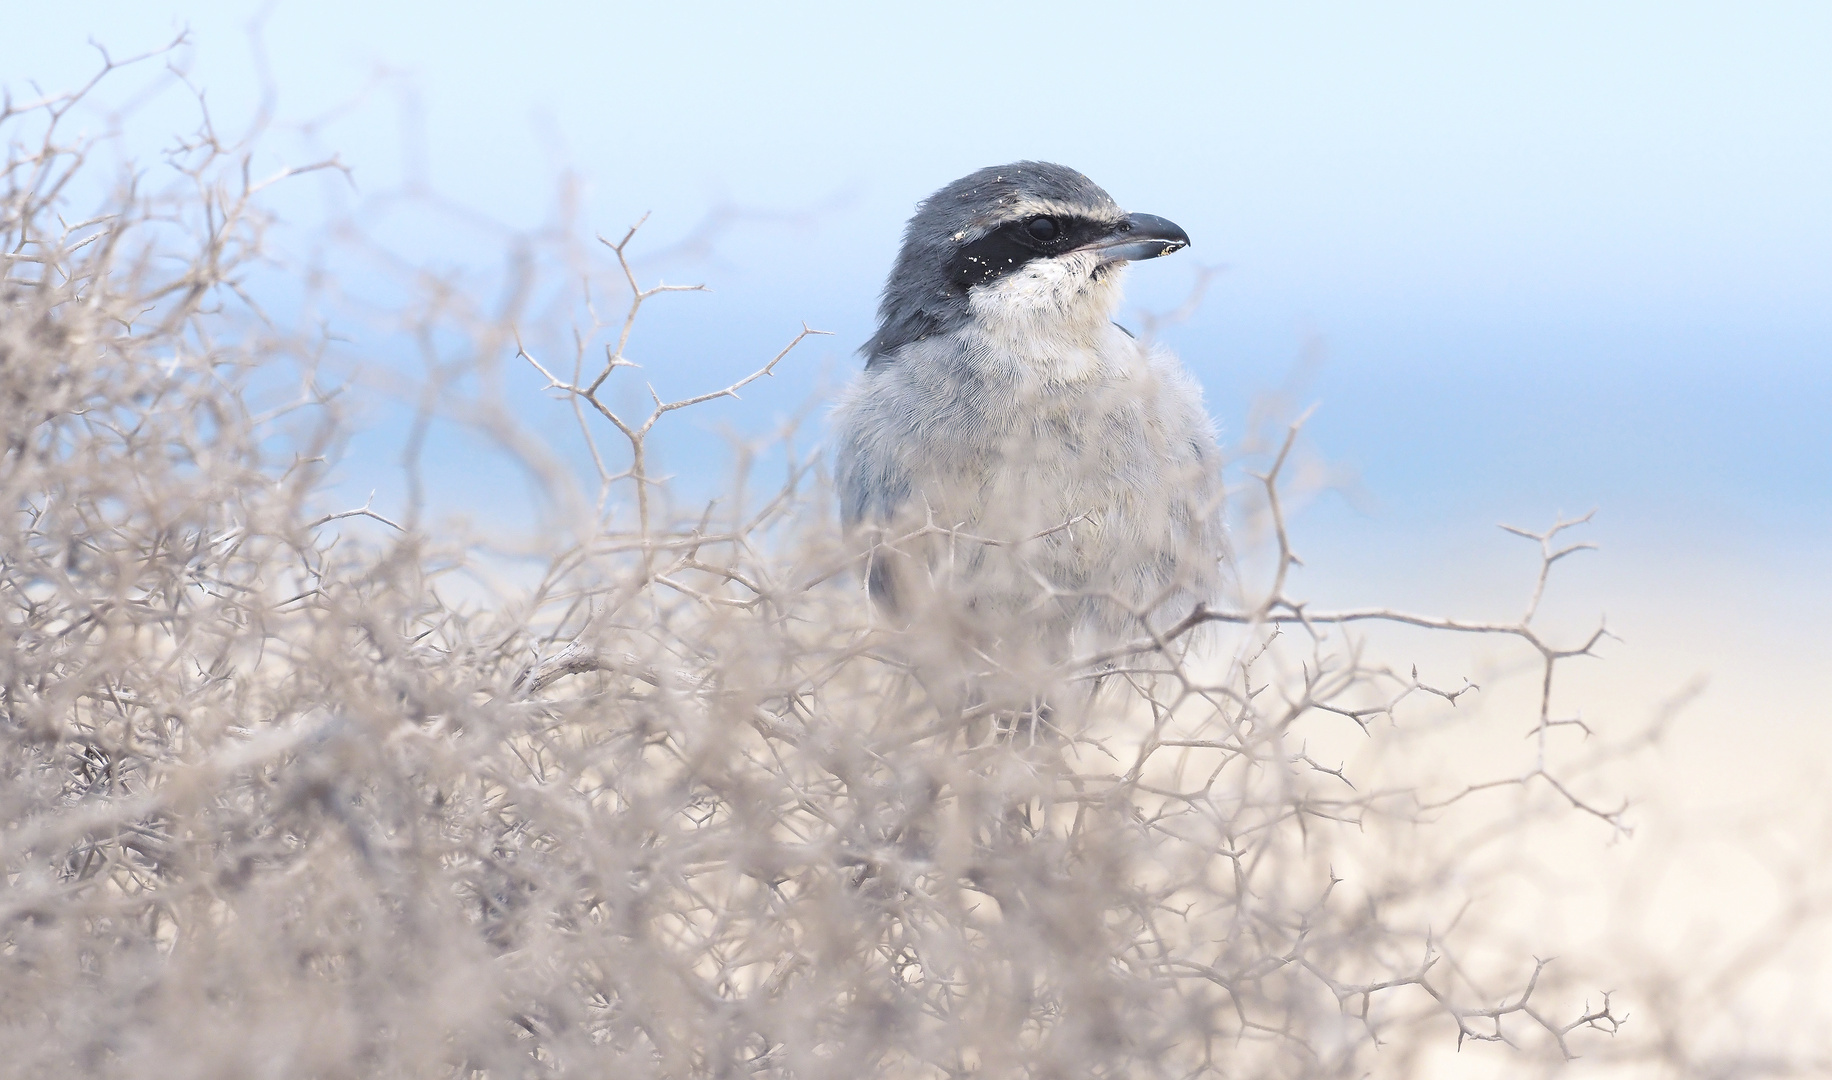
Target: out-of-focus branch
{"type": "Point", "coordinates": [636, 433]}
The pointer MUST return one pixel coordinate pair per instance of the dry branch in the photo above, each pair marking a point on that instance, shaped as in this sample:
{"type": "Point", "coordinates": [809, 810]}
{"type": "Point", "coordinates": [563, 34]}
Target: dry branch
{"type": "Point", "coordinates": [676, 804]}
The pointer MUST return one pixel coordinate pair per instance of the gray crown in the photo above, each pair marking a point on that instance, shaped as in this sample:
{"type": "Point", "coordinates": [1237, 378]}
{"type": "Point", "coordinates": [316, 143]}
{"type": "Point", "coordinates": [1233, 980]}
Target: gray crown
{"type": "Point", "coordinates": [923, 296]}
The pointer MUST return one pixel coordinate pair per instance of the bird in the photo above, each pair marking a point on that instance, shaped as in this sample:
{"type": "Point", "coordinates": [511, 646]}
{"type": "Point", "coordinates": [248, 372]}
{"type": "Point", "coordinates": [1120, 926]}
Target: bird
{"type": "Point", "coordinates": [1019, 466]}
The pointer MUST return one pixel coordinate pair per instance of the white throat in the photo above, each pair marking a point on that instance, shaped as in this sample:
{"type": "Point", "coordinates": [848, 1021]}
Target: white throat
{"type": "Point", "coordinates": [1049, 320]}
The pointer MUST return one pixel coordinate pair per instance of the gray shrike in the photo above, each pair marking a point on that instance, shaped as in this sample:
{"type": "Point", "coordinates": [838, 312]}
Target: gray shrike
{"type": "Point", "coordinates": [1009, 450]}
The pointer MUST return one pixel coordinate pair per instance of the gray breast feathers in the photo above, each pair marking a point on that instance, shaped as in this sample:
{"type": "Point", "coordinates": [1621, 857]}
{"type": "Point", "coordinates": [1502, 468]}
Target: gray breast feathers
{"type": "Point", "coordinates": [1093, 501]}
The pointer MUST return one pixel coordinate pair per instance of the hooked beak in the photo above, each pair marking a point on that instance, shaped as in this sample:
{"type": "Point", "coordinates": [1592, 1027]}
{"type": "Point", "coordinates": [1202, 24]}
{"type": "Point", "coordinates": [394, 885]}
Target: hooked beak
{"type": "Point", "coordinates": [1140, 236]}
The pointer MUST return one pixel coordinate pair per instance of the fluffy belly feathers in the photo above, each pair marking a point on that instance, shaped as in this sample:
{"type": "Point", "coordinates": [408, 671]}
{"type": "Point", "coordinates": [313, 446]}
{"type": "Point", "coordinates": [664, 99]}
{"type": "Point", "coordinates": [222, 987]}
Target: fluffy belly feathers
{"type": "Point", "coordinates": [1095, 499]}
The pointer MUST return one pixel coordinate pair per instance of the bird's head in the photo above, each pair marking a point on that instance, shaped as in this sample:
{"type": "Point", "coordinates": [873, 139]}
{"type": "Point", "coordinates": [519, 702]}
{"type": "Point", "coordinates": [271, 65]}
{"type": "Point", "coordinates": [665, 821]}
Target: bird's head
{"type": "Point", "coordinates": [1020, 247]}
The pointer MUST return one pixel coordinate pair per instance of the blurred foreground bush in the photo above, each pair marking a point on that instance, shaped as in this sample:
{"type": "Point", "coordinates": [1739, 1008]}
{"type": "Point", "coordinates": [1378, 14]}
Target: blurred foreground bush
{"type": "Point", "coordinates": [671, 807]}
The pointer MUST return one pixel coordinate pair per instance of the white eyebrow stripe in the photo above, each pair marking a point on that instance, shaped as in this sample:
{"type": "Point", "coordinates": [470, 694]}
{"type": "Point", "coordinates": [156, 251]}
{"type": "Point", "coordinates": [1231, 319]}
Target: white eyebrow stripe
{"type": "Point", "coordinates": [1027, 206]}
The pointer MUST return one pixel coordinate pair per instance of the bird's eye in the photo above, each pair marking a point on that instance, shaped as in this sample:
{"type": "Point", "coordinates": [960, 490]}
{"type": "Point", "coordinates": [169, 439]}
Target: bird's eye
{"type": "Point", "coordinates": [1043, 229]}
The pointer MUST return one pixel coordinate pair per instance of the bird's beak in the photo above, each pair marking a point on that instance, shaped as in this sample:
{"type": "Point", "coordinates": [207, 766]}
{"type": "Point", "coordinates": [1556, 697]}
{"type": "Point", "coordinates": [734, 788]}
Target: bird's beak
{"type": "Point", "coordinates": [1140, 236]}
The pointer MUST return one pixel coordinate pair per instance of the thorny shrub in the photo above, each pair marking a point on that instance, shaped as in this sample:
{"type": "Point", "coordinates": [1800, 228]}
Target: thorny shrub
{"type": "Point", "coordinates": [272, 806]}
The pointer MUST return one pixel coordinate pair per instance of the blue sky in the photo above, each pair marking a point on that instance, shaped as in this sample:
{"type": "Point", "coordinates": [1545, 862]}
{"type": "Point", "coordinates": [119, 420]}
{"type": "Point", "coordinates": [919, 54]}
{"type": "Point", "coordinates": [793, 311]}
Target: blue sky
{"type": "Point", "coordinates": [1548, 256]}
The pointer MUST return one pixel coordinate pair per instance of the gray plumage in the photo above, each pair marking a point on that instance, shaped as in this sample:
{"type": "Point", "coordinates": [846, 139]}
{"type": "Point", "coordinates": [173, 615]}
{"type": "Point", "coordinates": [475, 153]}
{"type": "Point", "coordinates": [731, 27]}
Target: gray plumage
{"type": "Point", "coordinates": [1076, 469]}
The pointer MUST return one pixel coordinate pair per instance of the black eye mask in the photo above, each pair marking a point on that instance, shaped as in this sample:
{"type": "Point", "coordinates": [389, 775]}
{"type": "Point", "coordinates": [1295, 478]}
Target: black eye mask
{"type": "Point", "coordinates": [1015, 243]}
